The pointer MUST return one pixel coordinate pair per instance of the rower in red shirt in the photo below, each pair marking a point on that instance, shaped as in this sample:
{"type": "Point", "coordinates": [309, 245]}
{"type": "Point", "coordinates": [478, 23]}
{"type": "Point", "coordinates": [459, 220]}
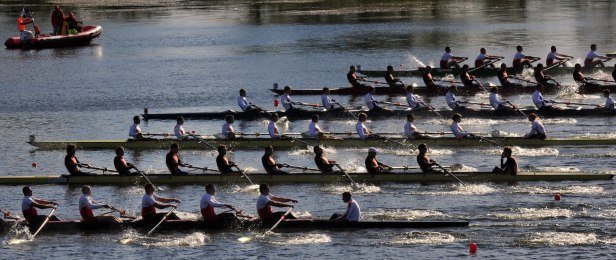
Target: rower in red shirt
{"type": "Point", "coordinates": [265, 203]}
{"type": "Point", "coordinates": [87, 205]}
{"type": "Point", "coordinates": [151, 202]}
{"type": "Point", "coordinates": [29, 204]}
{"type": "Point", "coordinates": [208, 203]}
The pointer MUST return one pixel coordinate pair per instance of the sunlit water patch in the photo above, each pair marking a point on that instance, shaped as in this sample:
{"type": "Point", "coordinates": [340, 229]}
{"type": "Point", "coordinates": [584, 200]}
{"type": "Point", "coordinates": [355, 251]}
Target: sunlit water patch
{"type": "Point", "coordinates": [573, 189]}
{"type": "Point", "coordinates": [457, 189]}
{"type": "Point", "coordinates": [401, 214]}
{"type": "Point", "coordinates": [421, 237]}
{"type": "Point", "coordinates": [535, 213]}
{"type": "Point", "coordinates": [557, 239]}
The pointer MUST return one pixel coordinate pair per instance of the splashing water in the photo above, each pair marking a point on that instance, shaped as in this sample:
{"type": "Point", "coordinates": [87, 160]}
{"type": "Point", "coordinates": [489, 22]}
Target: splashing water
{"type": "Point", "coordinates": [457, 189]}
{"type": "Point", "coordinates": [17, 234]}
{"type": "Point", "coordinates": [245, 189]}
{"type": "Point", "coordinates": [535, 213]}
{"type": "Point", "coordinates": [360, 188]}
{"type": "Point", "coordinates": [189, 240]}
{"type": "Point", "coordinates": [559, 121]}
{"type": "Point", "coordinates": [304, 240]}
{"type": "Point", "coordinates": [401, 214]}
{"type": "Point", "coordinates": [554, 168]}
{"type": "Point", "coordinates": [413, 61]}
{"type": "Point", "coordinates": [421, 237]}
{"type": "Point", "coordinates": [575, 189]}
{"type": "Point", "coordinates": [558, 239]}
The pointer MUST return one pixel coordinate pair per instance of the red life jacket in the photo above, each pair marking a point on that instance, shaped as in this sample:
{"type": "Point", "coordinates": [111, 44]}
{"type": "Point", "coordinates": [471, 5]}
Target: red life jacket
{"type": "Point", "coordinates": [149, 211]}
{"type": "Point", "coordinates": [209, 216]}
{"type": "Point", "coordinates": [87, 214]}
{"type": "Point", "coordinates": [30, 214]}
{"type": "Point", "coordinates": [265, 212]}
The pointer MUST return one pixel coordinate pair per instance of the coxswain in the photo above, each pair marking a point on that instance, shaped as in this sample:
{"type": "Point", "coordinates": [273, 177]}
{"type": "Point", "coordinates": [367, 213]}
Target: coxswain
{"type": "Point", "coordinates": [71, 162]}
{"type": "Point", "coordinates": [495, 102]}
{"type": "Point", "coordinates": [246, 106]}
{"type": "Point", "coordinates": [448, 60]}
{"type": "Point", "coordinates": [428, 79]}
{"type": "Point", "coordinates": [151, 202]}
{"type": "Point", "coordinates": [362, 130]}
{"type": "Point", "coordinates": [451, 100]}
{"type": "Point", "coordinates": [593, 59]}
{"type": "Point", "coordinates": [57, 20]}
{"type": "Point", "coordinates": [609, 102]}
{"type": "Point", "coordinates": [29, 204]}
{"type": "Point", "coordinates": [173, 162]}
{"type": "Point", "coordinates": [225, 166]}
{"type": "Point", "coordinates": [179, 131]}
{"type": "Point", "coordinates": [539, 101]}
{"type": "Point", "coordinates": [578, 77]}
{"type": "Point", "coordinates": [484, 59]}
{"type": "Point", "coordinates": [227, 128]}
{"type": "Point", "coordinates": [520, 60]}
{"type": "Point", "coordinates": [272, 129]}
{"type": "Point", "coordinates": [267, 200]}
{"type": "Point", "coordinates": [269, 164]}
{"type": "Point", "coordinates": [371, 103]}
{"type": "Point", "coordinates": [121, 165]}
{"type": "Point", "coordinates": [373, 166]}
{"type": "Point", "coordinates": [25, 36]}
{"type": "Point", "coordinates": [328, 103]}
{"type": "Point", "coordinates": [87, 205]}
{"type": "Point", "coordinates": [352, 213]}
{"type": "Point", "coordinates": [207, 205]}
{"type": "Point", "coordinates": [135, 131]}
{"type": "Point", "coordinates": [411, 99]}
{"type": "Point", "coordinates": [389, 78]}
{"type": "Point", "coordinates": [314, 130]}
{"type": "Point", "coordinates": [325, 166]}
{"type": "Point", "coordinates": [553, 55]}
{"type": "Point", "coordinates": [541, 78]}
{"type": "Point", "coordinates": [424, 162]}
{"type": "Point", "coordinates": [466, 77]}
{"type": "Point", "coordinates": [354, 80]}
{"type": "Point", "coordinates": [410, 131]}
{"type": "Point", "coordinates": [537, 130]}
{"type": "Point", "coordinates": [503, 77]}
{"type": "Point", "coordinates": [508, 167]}
{"type": "Point", "coordinates": [456, 128]}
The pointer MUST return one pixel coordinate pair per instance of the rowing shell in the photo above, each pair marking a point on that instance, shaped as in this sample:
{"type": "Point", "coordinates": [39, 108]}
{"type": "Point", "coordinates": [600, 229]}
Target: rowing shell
{"type": "Point", "coordinates": [482, 72]}
{"type": "Point", "coordinates": [399, 177]}
{"type": "Point", "coordinates": [260, 142]}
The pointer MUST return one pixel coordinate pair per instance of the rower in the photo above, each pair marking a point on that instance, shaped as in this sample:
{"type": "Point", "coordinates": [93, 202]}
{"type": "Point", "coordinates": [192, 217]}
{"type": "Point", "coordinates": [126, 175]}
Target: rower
{"type": "Point", "coordinates": [373, 166]}
{"type": "Point", "coordinates": [135, 131]}
{"type": "Point", "coordinates": [269, 164]}
{"type": "Point", "coordinates": [448, 60]}
{"type": "Point", "coordinates": [452, 102]}
{"type": "Point", "coordinates": [389, 78]}
{"type": "Point", "coordinates": [424, 162]}
{"type": "Point", "coordinates": [371, 102]}
{"type": "Point", "coordinates": [410, 131]}
{"type": "Point", "coordinates": [87, 204]}
{"type": "Point", "coordinates": [553, 55]}
{"type": "Point", "coordinates": [179, 131]}
{"type": "Point", "coordinates": [29, 204]}
{"type": "Point", "coordinates": [227, 128]}
{"type": "Point", "coordinates": [246, 106]}
{"type": "Point", "coordinates": [541, 78]}
{"type": "Point", "coordinates": [314, 130]}
{"type": "Point", "coordinates": [495, 102]}
{"type": "Point", "coordinates": [225, 166]}
{"type": "Point", "coordinates": [287, 101]}
{"type": "Point", "coordinates": [265, 203]}
{"type": "Point", "coordinates": [456, 128]}
{"type": "Point", "coordinates": [327, 102]}
{"type": "Point", "coordinates": [503, 77]}
{"type": "Point", "coordinates": [325, 166]}
{"type": "Point", "coordinates": [578, 77]}
{"type": "Point", "coordinates": [484, 59]}
{"type": "Point", "coordinates": [352, 213]}
{"type": "Point", "coordinates": [539, 101]}
{"type": "Point", "coordinates": [207, 205]}
{"type": "Point", "coordinates": [520, 60]}
{"type": "Point", "coordinates": [71, 162]}
{"type": "Point", "coordinates": [427, 78]}
{"type": "Point", "coordinates": [510, 166]}
{"type": "Point", "coordinates": [151, 202]}
{"type": "Point", "coordinates": [609, 102]}
{"type": "Point", "coordinates": [411, 99]}
{"type": "Point", "coordinates": [593, 59]}
{"type": "Point", "coordinates": [272, 129]}
{"type": "Point", "coordinates": [121, 165]}
{"type": "Point", "coordinates": [466, 78]}
{"type": "Point", "coordinates": [537, 130]}
{"type": "Point", "coordinates": [173, 161]}
{"type": "Point", "coordinates": [354, 80]}
{"type": "Point", "coordinates": [362, 130]}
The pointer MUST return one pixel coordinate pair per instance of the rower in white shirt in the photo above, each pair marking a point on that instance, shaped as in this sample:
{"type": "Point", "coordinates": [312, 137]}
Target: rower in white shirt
{"type": "Point", "coordinates": [521, 60]}
{"type": "Point", "coordinates": [553, 56]}
{"type": "Point", "coordinates": [609, 102]}
{"type": "Point", "coordinates": [451, 100]}
{"type": "Point", "coordinates": [272, 129]}
{"type": "Point", "coordinates": [537, 130]}
{"type": "Point", "coordinates": [227, 128]}
{"type": "Point", "coordinates": [135, 131]}
{"type": "Point", "coordinates": [208, 203]}
{"type": "Point", "coordinates": [410, 131]}
{"type": "Point", "coordinates": [286, 100]}
{"type": "Point", "coordinates": [538, 99]}
{"type": "Point", "coordinates": [246, 106]}
{"type": "Point", "coordinates": [495, 102]}
{"type": "Point", "coordinates": [179, 131]}
{"type": "Point", "coordinates": [87, 205]}
{"type": "Point", "coordinates": [456, 128]}
{"type": "Point", "coordinates": [314, 130]}
{"type": "Point", "coordinates": [361, 129]}
{"type": "Point", "coordinates": [352, 213]}
{"type": "Point", "coordinates": [448, 60]}
{"type": "Point", "coordinates": [411, 99]}
{"type": "Point", "coordinates": [593, 59]}
{"type": "Point", "coordinates": [483, 59]}
{"type": "Point", "coordinates": [327, 102]}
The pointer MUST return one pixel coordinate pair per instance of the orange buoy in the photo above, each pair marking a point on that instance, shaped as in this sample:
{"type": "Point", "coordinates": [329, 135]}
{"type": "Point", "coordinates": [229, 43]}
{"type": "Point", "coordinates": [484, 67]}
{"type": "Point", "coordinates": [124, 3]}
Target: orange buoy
{"type": "Point", "coordinates": [34, 164]}
{"type": "Point", "coordinates": [472, 248]}
{"type": "Point", "coordinates": [276, 102]}
{"type": "Point", "coordinates": [557, 197]}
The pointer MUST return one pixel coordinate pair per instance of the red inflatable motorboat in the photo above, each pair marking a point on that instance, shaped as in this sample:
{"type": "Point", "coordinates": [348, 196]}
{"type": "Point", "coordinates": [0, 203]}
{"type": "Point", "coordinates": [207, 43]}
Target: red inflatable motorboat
{"type": "Point", "coordinates": [87, 34]}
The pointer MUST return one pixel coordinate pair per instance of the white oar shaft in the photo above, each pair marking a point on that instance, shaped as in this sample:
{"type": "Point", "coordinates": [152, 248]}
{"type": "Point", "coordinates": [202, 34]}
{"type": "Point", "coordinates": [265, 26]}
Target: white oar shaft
{"type": "Point", "coordinates": [245, 175]}
{"type": "Point", "coordinates": [43, 224]}
{"type": "Point", "coordinates": [280, 220]}
{"type": "Point", "coordinates": [162, 220]}
{"type": "Point", "coordinates": [347, 175]}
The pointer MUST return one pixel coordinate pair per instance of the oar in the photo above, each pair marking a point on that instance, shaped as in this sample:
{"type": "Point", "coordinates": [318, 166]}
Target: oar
{"type": "Point", "coordinates": [432, 109]}
{"type": "Point", "coordinates": [7, 214]}
{"type": "Point", "coordinates": [515, 107]}
{"type": "Point", "coordinates": [481, 86]}
{"type": "Point", "coordinates": [300, 168]}
{"type": "Point", "coordinates": [525, 80]}
{"type": "Point", "coordinates": [558, 64]}
{"type": "Point", "coordinates": [44, 223]}
{"type": "Point", "coordinates": [347, 110]}
{"type": "Point", "coordinates": [142, 173]}
{"type": "Point", "coordinates": [450, 174]}
{"type": "Point", "coordinates": [280, 220]}
{"type": "Point", "coordinates": [204, 169]}
{"type": "Point", "coordinates": [301, 141]}
{"type": "Point", "coordinates": [347, 175]}
{"type": "Point", "coordinates": [245, 175]}
{"type": "Point", "coordinates": [164, 218]}
{"type": "Point", "coordinates": [395, 104]}
{"type": "Point", "coordinates": [375, 82]}
{"type": "Point", "coordinates": [486, 64]}
{"type": "Point", "coordinates": [570, 103]}
{"type": "Point", "coordinates": [122, 213]}
{"type": "Point", "coordinates": [482, 139]}
{"type": "Point", "coordinates": [603, 80]}
{"type": "Point", "coordinates": [308, 105]}
{"type": "Point", "coordinates": [88, 166]}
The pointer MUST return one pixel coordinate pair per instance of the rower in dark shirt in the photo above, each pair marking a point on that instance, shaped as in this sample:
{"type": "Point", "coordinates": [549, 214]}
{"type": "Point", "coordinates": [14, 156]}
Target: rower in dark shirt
{"type": "Point", "coordinates": [427, 78]}
{"type": "Point", "coordinates": [325, 166]}
{"type": "Point", "coordinates": [540, 77]}
{"type": "Point", "coordinates": [389, 78]}
{"type": "Point", "coordinates": [503, 77]}
{"type": "Point", "coordinates": [120, 163]}
{"type": "Point", "coordinates": [372, 165]}
{"type": "Point", "coordinates": [354, 80]}
{"type": "Point", "coordinates": [225, 166]}
{"type": "Point", "coordinates": [173, 161]}
{"type": "Point", "coordinates": [466, 78]}
{"type": "Point", "coordinates": [424, 162]}
{"type": "Point", "coordinates": [578, 77]}
{"type": "Point", "coordinates": [71, 162]}
{"type": "Point", "coordinates": [508, 167]}
{"type": "Point", "coordinates": [269, 164]}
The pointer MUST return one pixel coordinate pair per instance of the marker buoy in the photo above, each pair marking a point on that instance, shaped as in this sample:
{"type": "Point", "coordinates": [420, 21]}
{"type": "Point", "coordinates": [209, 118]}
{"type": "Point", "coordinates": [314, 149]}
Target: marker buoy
{"type": "Point", "coordinates": [557, 197]}
{"type": "Point", "coordinates": [276, 102]}
{"type": "Point", "coordinates": [34, 165]}
{"type": "Point", "coordinates": [472, 248]}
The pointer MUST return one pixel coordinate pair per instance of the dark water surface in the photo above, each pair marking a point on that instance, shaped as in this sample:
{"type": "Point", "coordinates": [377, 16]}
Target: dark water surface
{"type": "Point", "coordinates": [195, 55]}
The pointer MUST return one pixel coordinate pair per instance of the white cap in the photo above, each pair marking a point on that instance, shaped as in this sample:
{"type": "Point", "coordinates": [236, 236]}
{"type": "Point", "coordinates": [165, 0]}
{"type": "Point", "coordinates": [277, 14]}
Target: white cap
{"type": "Point", "coordinates": [371, 150]}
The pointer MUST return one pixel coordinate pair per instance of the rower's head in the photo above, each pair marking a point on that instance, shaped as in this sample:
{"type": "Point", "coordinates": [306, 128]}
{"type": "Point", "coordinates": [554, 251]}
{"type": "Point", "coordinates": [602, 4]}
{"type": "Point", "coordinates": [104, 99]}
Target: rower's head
{"type": "Point", "coordinates": [346, 196]}
{"type": "Point", "coordinates": [456, 117]}
{"type": "Point", "coordinates": [390, 68]}
{"type": "Point", "coordinates": [242, 92]}
{"type": "Point", "coordinates": [578, 67]}
{"type": "Point", "coordinates": [274, 117]}
{"type": "Point", "coordinates": [532, 117]}
{"type": "Point", "coordinates": [593, 47]}
{"type": "Point", "coordinates": [409, 88]}
{"type": "Point", "coordinates": [222, 149]}
{"type": "Point", "coordinates": [372, 152]}
{"type": "Point", "coordinates": [553, 48]}
{"type": "Point", "coordinates": [70, 149]}
{"type": "Point", "coordinates": [423, 148]}
{"type": "Point", "coordinates": [230, 119]}
{"type": "Point", "coordinates": [326, 90]}
{"type": "Point", "coordinates": [465, 68]}
{"type": "Point", "coordinates": [447, 49]}
{"type": "Point", "coordinates": [507, 152]}
{"type": "Point", "coordinates": [482, 50]}
{"type": "Point", "coordinates": [540, 66]}
{"type": "Point", "coordinates": [352, 68]}
{"type": "Point", "coordinates": [503, 66]}
{"type": "Point", "coordinates": [362, 117]}
{"type": "Point", "coordinates": [269, 150]}
{"type": "Point", "coordinates": [86, 190]}
{"type": "Point", "coordinates": [519, 48]}
{"type": "Point", "coordinates": [175, 148]}
{"type": "Point", "coordinates": [137, 120]}
{"type": "Point", "coordinates": [315, 118]}
{"type": "Point", "coordinates": [428, 69]}
{"type": "Point", "coordinates": [57, 8]}
{"type": "Point", "coordinates": [371, 90]}
{"type": "Point", "coordinates": [287, 89]}
{"type": "Point", "coordinates": [149, 188]}
{"type": "Point", "coordinates": [493, 90]}
{"type": "Point", "coordinates": [410, 117]}
{"type": "Point", "coordinates": [264, 189]}
{"type": "Point", "coordinates": [210, 189]}
{"type": "Point", "coordinates": [119, 151]}
{"type": "Point", "coordinates": [606, 93]}
{"type": "Point", "coordinates": [27, 191]}
{"type": "Point", "coordinates": [318, 150]}
{"type": "Point", "coordinates": [180, 120]}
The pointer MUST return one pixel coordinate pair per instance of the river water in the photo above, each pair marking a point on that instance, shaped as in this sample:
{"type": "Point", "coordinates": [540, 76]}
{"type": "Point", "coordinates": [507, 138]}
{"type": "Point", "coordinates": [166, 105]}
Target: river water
{"type": "Point", "coordinates": [194, 56]}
